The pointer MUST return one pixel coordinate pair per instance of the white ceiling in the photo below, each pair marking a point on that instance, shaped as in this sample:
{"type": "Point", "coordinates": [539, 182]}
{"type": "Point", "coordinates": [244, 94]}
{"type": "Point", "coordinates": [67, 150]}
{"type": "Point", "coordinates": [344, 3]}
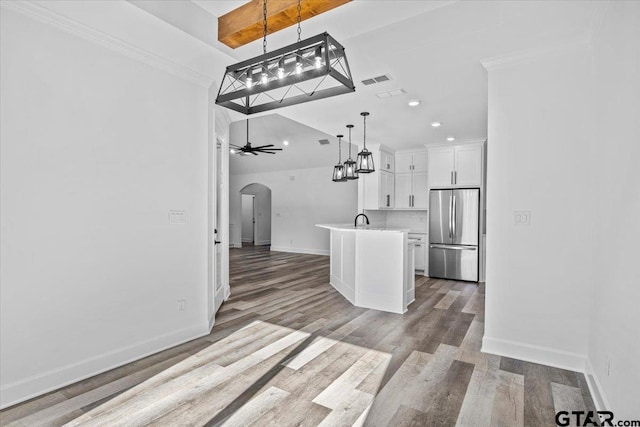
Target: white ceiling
{"type": "Point", "coordinates": [431, 49]}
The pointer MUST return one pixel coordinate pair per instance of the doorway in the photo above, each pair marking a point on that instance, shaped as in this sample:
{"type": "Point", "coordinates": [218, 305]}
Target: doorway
{"type": "Point", "coordinates": [255, 224]}
{"type": "Point", "coordinates": [248, 219]}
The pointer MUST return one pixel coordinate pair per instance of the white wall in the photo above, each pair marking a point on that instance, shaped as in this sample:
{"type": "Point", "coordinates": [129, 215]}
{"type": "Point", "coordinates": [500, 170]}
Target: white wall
{"type": "Point", "coordinates": [538, 277]}
{"type": "Point", "coordinates": [96, 148]}
{"type": "Point", "coordinates": [615, 326]}
{"type": "Point", "coordinates": [297, 205]}
{"type": "Point", "coordinates": [564, 130]}
{"type": "Point", "coordinates": [262, 212]}
{"type": "Point", "coordinates": [247, 218]}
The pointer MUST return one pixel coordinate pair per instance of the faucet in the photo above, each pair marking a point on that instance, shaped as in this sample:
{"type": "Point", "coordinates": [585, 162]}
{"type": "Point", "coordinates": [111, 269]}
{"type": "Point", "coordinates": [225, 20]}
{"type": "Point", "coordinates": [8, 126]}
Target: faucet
{"type": "Point", "coordinates": [355, 221]}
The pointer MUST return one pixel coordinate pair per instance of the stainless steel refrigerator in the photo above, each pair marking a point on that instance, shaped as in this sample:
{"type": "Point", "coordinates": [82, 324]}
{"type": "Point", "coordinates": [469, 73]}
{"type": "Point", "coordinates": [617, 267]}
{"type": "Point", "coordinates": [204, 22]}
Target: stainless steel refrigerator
{"type": "Point", "coordinates": [453, 234]}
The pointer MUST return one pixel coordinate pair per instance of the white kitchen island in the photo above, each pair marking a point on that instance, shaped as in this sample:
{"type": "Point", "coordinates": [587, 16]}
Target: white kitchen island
{"type": "Point", "coordinates": [372, 267]}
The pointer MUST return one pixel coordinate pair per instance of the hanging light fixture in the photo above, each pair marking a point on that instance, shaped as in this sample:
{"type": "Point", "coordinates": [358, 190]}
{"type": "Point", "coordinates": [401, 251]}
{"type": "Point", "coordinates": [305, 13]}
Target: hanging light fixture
{"type": "Point", "coordinates": [338, 170]}
{"type": "Point", "coordinates": [307, 70]}
{"type": "Point", "coordinates": [364, 161]}
{"type": "Point", "coordinates": [350, 165]}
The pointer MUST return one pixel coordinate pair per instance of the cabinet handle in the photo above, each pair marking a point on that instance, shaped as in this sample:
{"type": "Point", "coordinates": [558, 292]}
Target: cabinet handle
{"type": "Point", "coordinates": [455, 177]}
{"type": "Point", "coordinates": [388, 200]}
{"type": "Point", "coordinates": [451, 177]}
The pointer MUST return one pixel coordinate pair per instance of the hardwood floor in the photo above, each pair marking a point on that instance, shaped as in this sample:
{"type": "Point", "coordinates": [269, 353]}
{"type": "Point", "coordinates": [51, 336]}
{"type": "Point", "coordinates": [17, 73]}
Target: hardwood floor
{"type": "Point", "coordinates": [288, 350]}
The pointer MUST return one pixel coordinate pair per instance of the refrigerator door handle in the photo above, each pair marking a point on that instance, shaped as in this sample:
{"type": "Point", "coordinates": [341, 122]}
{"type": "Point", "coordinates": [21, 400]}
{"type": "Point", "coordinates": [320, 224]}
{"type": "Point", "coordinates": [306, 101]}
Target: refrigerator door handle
{"type": "Point", "coordinates": [454, 248]}
{"type": "Point", "coordinates": [454, 216]}
{"type": "Point", "coordinates": [450, 211]}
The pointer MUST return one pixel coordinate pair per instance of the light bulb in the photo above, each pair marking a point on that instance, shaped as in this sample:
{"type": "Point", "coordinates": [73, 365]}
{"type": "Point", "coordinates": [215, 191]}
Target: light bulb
{"type": "Point", "coordinates": [249, 82]}
{"type": "Point", "coordinates": [298, 62]}
{"type": "Point", "coordinates": [318, 57]}
{"type": "Point", "coordinates": [265, 78]}
{"type": "Point", "coordinates": [281, 68]}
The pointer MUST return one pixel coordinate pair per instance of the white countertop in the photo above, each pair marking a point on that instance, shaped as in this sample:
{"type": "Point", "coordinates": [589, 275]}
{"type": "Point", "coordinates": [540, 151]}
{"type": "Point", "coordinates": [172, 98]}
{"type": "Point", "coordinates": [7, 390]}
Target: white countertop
{"type": "Point", "coordinates": [351, 227]}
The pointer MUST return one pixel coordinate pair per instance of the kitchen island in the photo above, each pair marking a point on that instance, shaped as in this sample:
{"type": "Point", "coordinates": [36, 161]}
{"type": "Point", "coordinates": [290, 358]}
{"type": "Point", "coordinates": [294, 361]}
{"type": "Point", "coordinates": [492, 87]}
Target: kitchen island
{"type": "Point", "coordinates": [372, 267]}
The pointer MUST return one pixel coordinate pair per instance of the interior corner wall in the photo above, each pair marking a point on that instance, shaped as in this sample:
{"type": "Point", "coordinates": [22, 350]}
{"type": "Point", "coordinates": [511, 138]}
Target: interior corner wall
{"type": "Point", "coordinates": [614, 339]}
{"type": "Point", "coordinates": [96, 148]}
{"type": "Point", "coordinates": [539, 277]}
{"type": "Point", "coordinates": [297, 205]}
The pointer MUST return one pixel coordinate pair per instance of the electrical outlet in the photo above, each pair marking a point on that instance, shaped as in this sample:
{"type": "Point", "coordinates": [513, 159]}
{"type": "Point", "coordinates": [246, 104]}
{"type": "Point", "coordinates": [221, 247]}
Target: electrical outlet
{"type": "Point", "coordinates": [177, 217]}
{"type": "Point", "coordinates": [291, 242]}
{"type": "Point", "coordinates": [182, 305]}
{"type": "Point", "coordinates": [522, 217]}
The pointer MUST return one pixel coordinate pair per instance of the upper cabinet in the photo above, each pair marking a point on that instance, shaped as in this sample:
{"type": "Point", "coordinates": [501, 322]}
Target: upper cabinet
{"type": "Point", "coordinates": [411, 162]}
{"type": "Point", "coordinates": [455, 166]}
{"type": "Point", "coordinates": [376, 190]}
{"type": "Point", "coordinates": [387, 161]}
{"type": "Point", "coordinates": [411, 180]}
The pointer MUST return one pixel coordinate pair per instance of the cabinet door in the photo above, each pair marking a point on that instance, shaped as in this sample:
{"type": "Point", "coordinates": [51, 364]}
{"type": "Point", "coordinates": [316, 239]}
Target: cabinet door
{"type": "Point", "coordinates": [440, 166]}
{"type": "Point", "coordinates": [387, 161]}
{"type": "Point", "coordinates": [468, 165]}
{"type": "Point", "coordinates": [403, 163]}
{"type": "Point", "coordinates": [403, 191]}
{"type": "Point", "coordinates": [386, 190]}
{"type": "Point", "coordinates": [420, 162]}
{"type": "Point", "coordinates": [420, 256]}
{"type": "Point", "coordinates": [419, 188]}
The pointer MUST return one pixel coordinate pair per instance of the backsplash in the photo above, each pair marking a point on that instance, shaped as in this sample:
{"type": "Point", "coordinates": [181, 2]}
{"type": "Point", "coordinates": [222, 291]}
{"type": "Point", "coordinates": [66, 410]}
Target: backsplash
{"type": "Point", "coordinates": [416, 221]}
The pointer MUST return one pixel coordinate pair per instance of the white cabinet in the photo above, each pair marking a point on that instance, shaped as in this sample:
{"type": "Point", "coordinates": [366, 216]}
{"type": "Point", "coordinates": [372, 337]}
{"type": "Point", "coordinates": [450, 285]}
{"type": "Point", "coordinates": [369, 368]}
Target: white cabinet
{"type": "Point", "coordinates": [387, 161]}
{"type": "Point", "coordinates": [376, 190]}
{"type": "Point", "coordinates": [411, 162]}
{"type": "Point", "coordinates": [411, 180]}
{"type": "Point", "coordinates": [420, 254]}
{"type": "Point", "coordinates": [387, 189]}
{"type": "Point", "coordinates": [455, 166]}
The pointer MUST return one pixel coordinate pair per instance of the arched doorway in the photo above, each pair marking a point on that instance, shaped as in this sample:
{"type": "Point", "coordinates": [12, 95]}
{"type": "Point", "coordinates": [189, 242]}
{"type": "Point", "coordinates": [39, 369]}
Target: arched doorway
{"type": "Point", "coordinates": [255, 226]}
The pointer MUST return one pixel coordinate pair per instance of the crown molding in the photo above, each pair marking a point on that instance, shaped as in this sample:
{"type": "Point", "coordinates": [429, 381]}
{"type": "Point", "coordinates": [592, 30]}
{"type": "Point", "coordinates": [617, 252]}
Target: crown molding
{"type": "Point", "coordinates": [48, 16]}
{"type": "Point", "coordinates": [529, 55]}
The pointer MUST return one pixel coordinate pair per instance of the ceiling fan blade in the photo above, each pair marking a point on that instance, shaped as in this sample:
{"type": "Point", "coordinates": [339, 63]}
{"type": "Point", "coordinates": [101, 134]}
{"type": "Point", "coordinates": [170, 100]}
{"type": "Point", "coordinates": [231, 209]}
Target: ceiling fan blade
{"type": "Point", "coordinates": [253, 152]}
{"type": "Point", "coordinates": [235, 146]}
{"type": "Point", "coordinates": [264, 146]}
{"type": "Point", "coordinates": [270, 149]}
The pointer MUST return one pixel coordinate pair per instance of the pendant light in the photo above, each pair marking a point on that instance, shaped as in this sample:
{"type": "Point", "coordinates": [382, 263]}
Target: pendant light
{"type": "Point", "coordinates": [338, 170]}
{"type": "Point", "coordinates": [310, 69]}
{"type": "Point", "coordinates": [350, 165]}
{"type": "Point", "coordinates": [364, 161]}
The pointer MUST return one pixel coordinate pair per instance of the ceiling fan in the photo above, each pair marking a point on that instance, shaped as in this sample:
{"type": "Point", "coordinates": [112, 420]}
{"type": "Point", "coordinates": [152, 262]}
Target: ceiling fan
{"type": "Point", "coordinates": [248, 148]}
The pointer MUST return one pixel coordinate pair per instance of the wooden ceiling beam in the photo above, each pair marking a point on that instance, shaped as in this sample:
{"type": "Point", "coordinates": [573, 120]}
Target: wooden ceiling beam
{"type": "Point", "coordinates": [245, 24]}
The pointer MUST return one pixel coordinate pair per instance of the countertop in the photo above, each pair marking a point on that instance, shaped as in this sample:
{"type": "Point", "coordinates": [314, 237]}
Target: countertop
{"type": "Point", "coordinates": [351, 227]}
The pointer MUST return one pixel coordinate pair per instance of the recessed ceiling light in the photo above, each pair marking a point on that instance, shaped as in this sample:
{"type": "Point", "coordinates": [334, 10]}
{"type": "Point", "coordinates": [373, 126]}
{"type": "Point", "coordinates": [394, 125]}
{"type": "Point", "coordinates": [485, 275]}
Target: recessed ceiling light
{"type": "Point", "coordinates": [414, 103]}
{"type": "Point", "coordinates": [285, 142]}
{"type": "Point", "coordinates": [451, 139]}
{"type": "Point", "coordinates": [436, 124]}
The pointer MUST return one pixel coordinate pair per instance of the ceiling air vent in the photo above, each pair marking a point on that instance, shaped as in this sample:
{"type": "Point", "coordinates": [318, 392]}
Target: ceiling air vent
{"type": "Point", "coordinates": [323, 141]}
{"type": "Point", "coordinates": [374, 80]}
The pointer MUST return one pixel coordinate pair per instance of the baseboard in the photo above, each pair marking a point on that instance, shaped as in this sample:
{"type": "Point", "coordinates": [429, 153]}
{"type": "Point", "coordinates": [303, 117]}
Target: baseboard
{"type": "Point", "coordinates": [324, 252]}
{"type": "Point", "coordinates": [247, 240]}
{"type": "Point", "coordinates": [235, 245]}
{"type": "Point", "coordinates": [262, 242]}
{"type": "Point", "coordinates": [595, 388]}
{"type": "Point", "coordinates": [536, 354]}
{"type": "Point", "coordinates": [39, 384]}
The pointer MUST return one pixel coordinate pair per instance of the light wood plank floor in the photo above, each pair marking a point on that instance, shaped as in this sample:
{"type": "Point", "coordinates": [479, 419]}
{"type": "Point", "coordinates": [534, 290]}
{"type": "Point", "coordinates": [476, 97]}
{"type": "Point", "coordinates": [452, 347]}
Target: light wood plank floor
{"type": "Point", "coordinates": [288, 350]}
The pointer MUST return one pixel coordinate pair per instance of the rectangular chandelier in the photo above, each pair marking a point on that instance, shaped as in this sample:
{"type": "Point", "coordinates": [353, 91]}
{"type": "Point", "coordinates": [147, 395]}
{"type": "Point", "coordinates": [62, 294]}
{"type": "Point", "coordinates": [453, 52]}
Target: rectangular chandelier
{"type": "Point", "coordinates": [311, 69]}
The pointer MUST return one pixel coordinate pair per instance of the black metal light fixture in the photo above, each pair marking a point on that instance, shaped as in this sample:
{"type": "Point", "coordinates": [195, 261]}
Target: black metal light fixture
{"type": "Point", "coordinates": [338, 170]}
{"type": "Point", "coordinates": [350, 165]}
{"type": "Point", "coordinates": [307, 70]}
{"type": "Point", "coordinates": [364, 161]}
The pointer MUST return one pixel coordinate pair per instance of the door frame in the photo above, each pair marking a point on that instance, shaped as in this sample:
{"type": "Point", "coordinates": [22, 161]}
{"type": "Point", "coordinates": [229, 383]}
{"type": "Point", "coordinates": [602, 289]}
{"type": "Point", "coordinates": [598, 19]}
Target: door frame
{"type": "Point", "coordinates": [218, 122]}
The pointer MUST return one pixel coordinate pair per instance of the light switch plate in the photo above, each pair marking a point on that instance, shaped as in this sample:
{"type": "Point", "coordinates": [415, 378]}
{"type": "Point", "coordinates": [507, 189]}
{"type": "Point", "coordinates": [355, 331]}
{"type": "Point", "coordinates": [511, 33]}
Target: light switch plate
{"type": "Point", "coordinates": [522, 217]}
{"type": "Point", "coordinates": [177, 217]}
